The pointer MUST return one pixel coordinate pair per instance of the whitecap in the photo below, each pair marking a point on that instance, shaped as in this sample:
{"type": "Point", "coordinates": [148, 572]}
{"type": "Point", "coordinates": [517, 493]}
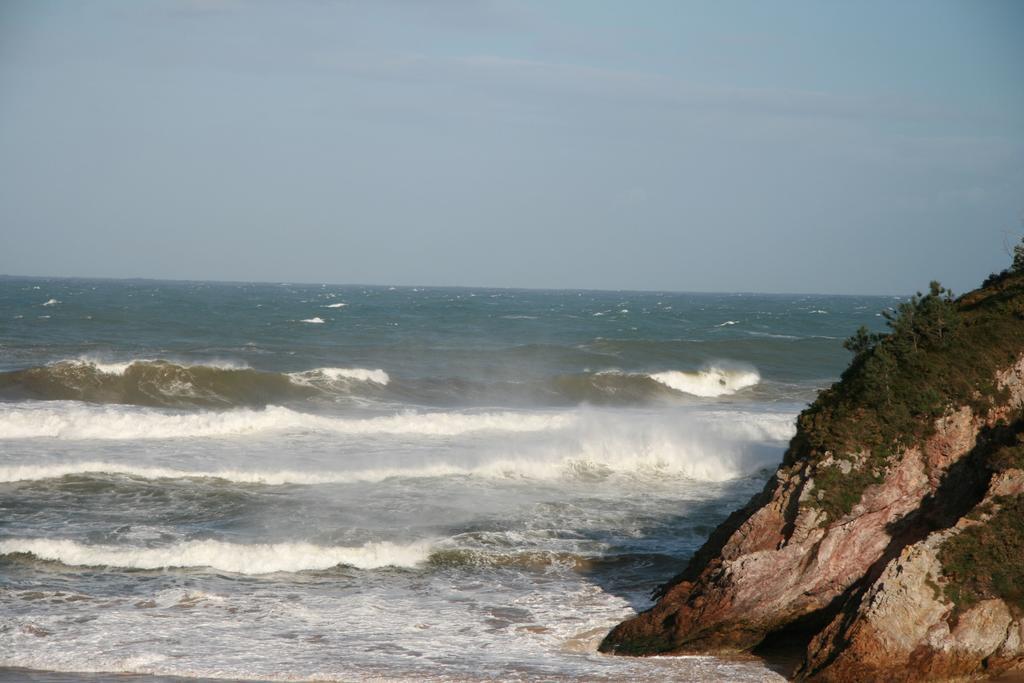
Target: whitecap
{"type": "Point", "coordinates": [710, 382]}
{"type": "Point", "coordinates": [118, 367]}
{"type": "Point", "coordinates": [716, 446]}
{"type": "Point", "coordinates": [320, 375]}
{"type": "Point", "coordinates": [73, 420]}
{"type": "Point", "coordinates": [237, 558]}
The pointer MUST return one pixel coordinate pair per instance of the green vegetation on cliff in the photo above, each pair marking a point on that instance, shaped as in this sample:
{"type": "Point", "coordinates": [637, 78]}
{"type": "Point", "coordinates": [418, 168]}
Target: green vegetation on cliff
{"type": "Point", "coordinates": [940, 353]}
{"type": "Point", "coordinates": [987, 560]}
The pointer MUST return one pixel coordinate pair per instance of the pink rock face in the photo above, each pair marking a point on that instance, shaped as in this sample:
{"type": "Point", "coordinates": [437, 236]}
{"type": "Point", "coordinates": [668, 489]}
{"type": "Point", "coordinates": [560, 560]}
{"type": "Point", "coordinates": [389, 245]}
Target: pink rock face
{"type": "Point", "coordinates": [901, 628]}
{"type": "Point", "coordinates": [774, 562]}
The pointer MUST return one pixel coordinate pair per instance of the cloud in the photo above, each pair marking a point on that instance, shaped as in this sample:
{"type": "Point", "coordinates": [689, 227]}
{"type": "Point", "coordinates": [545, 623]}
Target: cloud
{"type": "Point", "coordinates": [565, 80]}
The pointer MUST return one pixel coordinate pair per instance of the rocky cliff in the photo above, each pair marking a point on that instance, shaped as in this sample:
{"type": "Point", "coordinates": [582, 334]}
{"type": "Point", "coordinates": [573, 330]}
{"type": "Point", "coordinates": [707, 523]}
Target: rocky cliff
{"type": "Point", "coordinates": [889, 545]}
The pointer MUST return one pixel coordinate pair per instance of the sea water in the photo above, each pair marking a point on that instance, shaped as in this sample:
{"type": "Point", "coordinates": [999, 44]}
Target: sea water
{"type": "Point", "coordinates": [321, 482]}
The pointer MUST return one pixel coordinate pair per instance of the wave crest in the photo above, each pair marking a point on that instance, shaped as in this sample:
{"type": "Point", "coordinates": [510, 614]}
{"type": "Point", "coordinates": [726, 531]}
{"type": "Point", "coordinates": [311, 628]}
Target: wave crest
{"type": "Point", "coordinates": [714, 446]}
{"type": "Point", "coordinates": [617, 387]}
{"type": "Point", "coordinates": [78, 421]}
{"type": "Point", "coordinates": [710, 382]}
{"type": "Point", "coordinates": [166, 384]}
{"type": "Point", "coordinates": [319, 376]}
{"type": "Point", "coordinates": [237, 558]}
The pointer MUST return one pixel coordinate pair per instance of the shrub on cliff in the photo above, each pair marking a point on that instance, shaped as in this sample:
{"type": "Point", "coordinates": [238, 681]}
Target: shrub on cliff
{"type": "Point", "coordinates": [987, 560]}
{"type": "Point", "coordinates": [940, 353]}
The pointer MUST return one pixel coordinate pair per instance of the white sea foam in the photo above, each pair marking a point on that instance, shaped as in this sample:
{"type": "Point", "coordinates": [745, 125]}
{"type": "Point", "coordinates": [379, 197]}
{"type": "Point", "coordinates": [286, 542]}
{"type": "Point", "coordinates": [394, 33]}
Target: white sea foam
{"type": "Point", "coordinates": [661, 458]}
{"type": "Point", "coordinates": [111, 367]}
{"type": "Point", "coordinates": [51, 302]}
{"type": "Point", "coordinates": [72, 420]}
{"type": "Point", "coordinates": [317, 320]}
{"type": "Point", "coordinates": [107, 368]}
{"type": "Point", "coordinates": [727, 323]}
{"type": "Point", "coordinates": [263, 558]}
{"type": "Point", "coordinates": [338, 305]}
{"type": "Point", "coordinates": [717, 446]}
{"type": "Point", "coordinates": [734, 425]}
{"type": "Point", "coordinates": [311, 377]}
{"type": "Point", "coordinates": [769, 335]}
{"type": "Point", "coordinates": [709, 382]}
{"type": "Point", "coordinates": [12, 473]}
{"type": "Point", "coordinates": [306, 377]}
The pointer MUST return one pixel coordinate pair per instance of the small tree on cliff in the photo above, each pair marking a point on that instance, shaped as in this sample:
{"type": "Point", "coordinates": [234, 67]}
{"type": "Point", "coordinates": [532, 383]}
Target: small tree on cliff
{"type": "Point", "coordinates": [926, 321]}
{"type": "Point", "coordinates": [1016, 262]}
{"type": "Point", "coordinates": [925, 324]}
{"type": "Point", "coordinates": [1018, 258]}
{"type": "Point", "coordinates": [862, 341]}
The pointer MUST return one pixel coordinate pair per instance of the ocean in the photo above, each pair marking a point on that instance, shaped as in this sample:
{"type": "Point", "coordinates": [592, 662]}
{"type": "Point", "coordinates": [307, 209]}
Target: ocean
{"type": "Point", "coordinates": [322, 482]}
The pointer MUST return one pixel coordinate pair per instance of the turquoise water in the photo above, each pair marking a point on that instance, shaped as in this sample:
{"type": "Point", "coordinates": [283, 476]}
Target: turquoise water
{"type": "Point", "coordinates": [294, 482]}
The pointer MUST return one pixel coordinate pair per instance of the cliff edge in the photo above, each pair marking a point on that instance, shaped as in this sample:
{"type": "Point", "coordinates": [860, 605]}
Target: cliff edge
{"type": "Point", "coordinates": [890, 542]}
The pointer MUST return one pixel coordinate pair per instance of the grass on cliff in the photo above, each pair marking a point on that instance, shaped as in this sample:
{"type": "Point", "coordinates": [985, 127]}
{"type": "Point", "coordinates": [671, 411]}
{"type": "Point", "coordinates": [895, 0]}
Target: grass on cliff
{"type": "Point", "coordinates": [940, 353]}
{"type": "Point", "coordinates": [987, 560]}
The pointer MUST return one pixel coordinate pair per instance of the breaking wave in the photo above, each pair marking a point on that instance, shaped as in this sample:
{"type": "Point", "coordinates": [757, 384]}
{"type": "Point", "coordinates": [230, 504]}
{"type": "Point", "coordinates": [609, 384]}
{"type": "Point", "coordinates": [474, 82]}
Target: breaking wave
{"type": "Point", "coordinates": [166, 384]}
{"type": "Point", "coordinates": [81, 421]}
{"type": "Point", "coordinates": [318, 376]}
{"type": "Point", "coordinates": [710, 382]}
{"type": "Point", "coordinates": [263, 558]}
{"type": "Point", "coordinates": [616, 387]}
{"type": "Point", "coordinates": [578, 445]}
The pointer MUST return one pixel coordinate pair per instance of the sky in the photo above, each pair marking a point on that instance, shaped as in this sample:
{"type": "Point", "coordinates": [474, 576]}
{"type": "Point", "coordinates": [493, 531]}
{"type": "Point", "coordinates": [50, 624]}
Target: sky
{"type": "Point", "coordinates": [827, 147]}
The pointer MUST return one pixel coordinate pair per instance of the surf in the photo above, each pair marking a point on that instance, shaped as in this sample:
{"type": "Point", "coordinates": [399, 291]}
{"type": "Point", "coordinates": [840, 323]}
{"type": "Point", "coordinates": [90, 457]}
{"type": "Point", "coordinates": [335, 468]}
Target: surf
{"type": "Point", "coordinates": [710, 382]}
{"type": "Point", "coordinates": [237, 558]}
{"type": "Point", "coordinates": [72, 420]}
{"type": "Point", "coordinates": [162, 383]}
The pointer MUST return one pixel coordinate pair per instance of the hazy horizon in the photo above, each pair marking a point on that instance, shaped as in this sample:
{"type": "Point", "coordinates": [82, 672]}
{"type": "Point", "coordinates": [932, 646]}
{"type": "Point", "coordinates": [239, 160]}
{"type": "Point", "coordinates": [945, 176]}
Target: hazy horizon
{"type": "Point", "coordinates": [667, 146]}
{"type": "Point", "coordinates": [421, 285]}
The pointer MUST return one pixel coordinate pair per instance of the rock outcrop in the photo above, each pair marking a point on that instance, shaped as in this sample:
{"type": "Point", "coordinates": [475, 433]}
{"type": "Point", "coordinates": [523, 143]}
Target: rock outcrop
{"type": "Point", "coordinates": [846, 549]}
{"type": "Point", "coordinates": [901, 628]}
